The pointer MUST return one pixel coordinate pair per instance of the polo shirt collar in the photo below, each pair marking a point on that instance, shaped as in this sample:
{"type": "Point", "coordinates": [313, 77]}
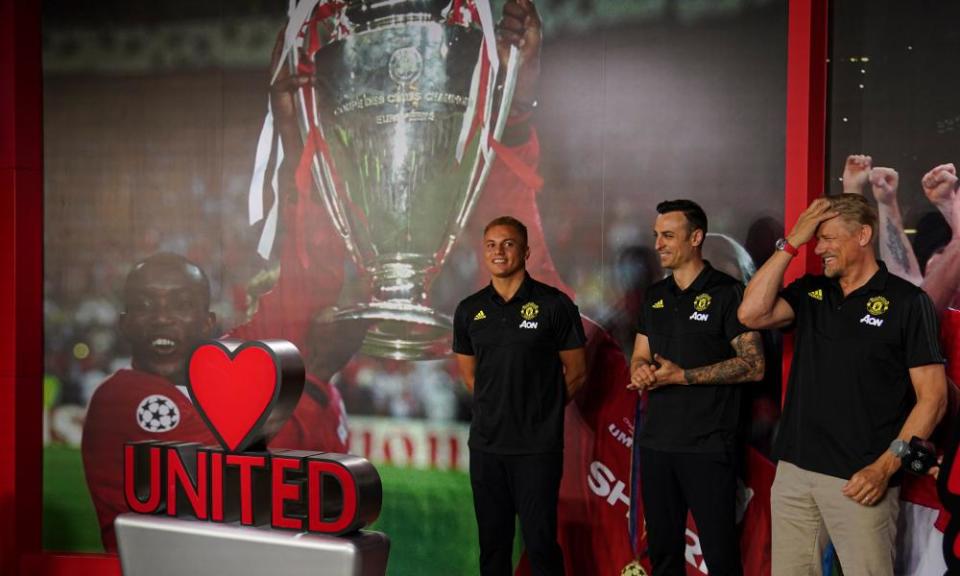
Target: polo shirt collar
{"type": "Point", "coordinates": [698, 284]}
{"type": "Point", "coordinates": [876, 283]}
{"type": "Point", "coordinates": [522, 295]}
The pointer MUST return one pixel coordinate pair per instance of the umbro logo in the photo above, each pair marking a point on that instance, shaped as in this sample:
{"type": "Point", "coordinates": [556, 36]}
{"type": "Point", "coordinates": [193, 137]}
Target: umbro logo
{"type": "Point", "coordinates": [480, 315]}
{"type": "Point", "coordinates": [658, 304]}
{"type": "Point", "coordinates": [528, 325]}
{"type": "Point", "coordinates": [871, 321]}
{"type": "Point", "coordinates": [699, 317]}
{"type": "Point", "coordinates": [623, 437]}
{"type": "Point", "coordinates": [816, 294]}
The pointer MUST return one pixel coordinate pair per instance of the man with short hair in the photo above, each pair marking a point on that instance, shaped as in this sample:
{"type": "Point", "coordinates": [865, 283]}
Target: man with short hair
{"type": "Point", "coordinates": [867, 376]}
{"type": "Point", "coordinates": [519, 345]}
{"type": "Point", "coordinates": [166, 314]}
{"type": "Point", "coordinates": [689, 355]}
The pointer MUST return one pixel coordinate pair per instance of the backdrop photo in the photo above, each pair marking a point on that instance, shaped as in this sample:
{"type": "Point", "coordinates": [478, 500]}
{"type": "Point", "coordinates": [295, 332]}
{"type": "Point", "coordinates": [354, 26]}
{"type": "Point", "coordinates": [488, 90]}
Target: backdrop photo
{"type": "Point", "coordinates": [153, 118]}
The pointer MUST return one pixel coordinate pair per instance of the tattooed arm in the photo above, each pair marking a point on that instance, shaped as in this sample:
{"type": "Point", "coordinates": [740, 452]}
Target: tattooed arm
{"type": "Point", "coordinates": [746, 366]}
{"type": "Point", "coordinates": [895, 249]}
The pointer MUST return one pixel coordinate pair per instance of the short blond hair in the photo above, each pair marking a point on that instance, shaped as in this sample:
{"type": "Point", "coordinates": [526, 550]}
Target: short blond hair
{"type": "Point", "coordinates": [854, 209]}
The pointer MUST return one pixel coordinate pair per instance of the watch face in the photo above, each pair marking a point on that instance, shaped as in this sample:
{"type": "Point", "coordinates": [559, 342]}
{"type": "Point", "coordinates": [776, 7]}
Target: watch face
{"type": "Point", "coordinates": [900, 448]}
{"type": "Point", "coordinates": [781, 243]}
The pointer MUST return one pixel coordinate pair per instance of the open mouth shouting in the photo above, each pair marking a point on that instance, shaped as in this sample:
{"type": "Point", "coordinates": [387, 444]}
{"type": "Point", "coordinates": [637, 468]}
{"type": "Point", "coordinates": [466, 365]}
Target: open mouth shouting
{"type": "Point", "coordinates": [164, 346]}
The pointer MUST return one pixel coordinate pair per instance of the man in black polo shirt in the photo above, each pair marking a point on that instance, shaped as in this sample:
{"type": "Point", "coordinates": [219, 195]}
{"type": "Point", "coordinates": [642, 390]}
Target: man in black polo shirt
{"type": "Point", "coordinates": [867, 375]}
{"type": "Point", "coordinates": [519, 344]}
{"type": "Point", "coordinates": [689, 353]}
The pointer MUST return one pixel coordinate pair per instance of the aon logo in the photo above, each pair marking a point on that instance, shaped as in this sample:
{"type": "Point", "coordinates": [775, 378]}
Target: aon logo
{"type": "Point", "coordinates": [528, 324]}
{"type": "Point", "coordinates": [699, 316]}
{"type": "Point", "coordinates": [871, 321]}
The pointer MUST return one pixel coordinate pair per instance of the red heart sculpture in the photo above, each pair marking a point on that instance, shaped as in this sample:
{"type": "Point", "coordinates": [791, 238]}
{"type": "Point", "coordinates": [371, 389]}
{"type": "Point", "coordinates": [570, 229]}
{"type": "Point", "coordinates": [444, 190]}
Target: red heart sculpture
{"type": "Point", "coordinates": [245, 392]}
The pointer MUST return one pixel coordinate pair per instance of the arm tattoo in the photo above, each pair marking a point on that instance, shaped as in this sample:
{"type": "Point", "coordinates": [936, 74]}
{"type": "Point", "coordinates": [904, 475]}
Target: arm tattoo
{"type": "Point", "coordinates": [746, 366]}
{"type": "Point", "coordinates": [897, 250]}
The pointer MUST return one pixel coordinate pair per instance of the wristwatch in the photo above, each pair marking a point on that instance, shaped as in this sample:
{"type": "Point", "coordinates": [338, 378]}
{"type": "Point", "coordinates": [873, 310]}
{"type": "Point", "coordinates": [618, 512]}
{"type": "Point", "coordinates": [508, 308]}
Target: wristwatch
{"type": "Point", "coordinates": [900, 448]}
{"type": "Point", "coordinates": [784, 246]}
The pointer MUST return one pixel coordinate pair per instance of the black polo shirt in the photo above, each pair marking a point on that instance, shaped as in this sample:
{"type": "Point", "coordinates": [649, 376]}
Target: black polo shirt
{"type": "Point", "coordinates": [849, 391]}
{"type": "Point", "coordinates": [692, 328]}
{"type": "Point", "coordinates": [519, 392]}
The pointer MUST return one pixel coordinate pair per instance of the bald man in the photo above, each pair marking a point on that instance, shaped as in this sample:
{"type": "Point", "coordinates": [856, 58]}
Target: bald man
{"type": "Point", "coordinates": [166, 313]}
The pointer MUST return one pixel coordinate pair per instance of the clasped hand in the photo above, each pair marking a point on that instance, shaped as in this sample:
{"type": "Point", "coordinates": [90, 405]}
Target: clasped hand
{"type": "Point", "coordinates": [661, 372]}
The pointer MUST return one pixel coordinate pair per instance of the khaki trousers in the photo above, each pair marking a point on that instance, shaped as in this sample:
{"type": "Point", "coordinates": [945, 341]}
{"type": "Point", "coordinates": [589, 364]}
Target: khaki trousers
{"type": "Point", "coordinates": [808, 507]}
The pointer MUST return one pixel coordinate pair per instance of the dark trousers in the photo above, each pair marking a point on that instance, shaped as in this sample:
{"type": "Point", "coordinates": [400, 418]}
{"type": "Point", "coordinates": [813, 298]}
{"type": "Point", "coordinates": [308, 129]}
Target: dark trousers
{"type": "Point", "coordinates": [706, 484]}
{"type": "Point", "coordinates": [506, 486]}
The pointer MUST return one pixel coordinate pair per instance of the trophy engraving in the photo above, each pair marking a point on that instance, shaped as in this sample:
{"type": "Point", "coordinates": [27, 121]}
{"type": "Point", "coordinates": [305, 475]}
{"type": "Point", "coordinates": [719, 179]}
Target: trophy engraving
{"type": "Point", "coordinates": [401, 113]}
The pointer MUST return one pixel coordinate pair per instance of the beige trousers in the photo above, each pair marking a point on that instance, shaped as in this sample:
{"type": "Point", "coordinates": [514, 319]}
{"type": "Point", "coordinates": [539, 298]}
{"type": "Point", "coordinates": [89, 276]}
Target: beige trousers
{"type": "Point", "coordinates": [807, 508]}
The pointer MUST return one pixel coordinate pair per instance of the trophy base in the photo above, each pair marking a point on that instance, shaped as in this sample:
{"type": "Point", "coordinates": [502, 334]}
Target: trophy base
{"type": "Point", "coordinates": [401, 330]}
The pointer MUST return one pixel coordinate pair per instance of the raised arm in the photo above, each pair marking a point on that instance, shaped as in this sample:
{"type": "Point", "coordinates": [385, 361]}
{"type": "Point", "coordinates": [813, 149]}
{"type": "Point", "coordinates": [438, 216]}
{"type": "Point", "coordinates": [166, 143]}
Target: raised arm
{"type": "Point", "coordinates": [856, 173]}
{"type": "Point", "coordinates": [762, 306]}
{"type": "Point", "coordinates": [895, 249]}
{"type": "Point", "coordinates": [312, 253]}
{"type": "Point", "coordinates": [942, 282]}
{"type": "Point", "coordinates": [520, 26]}
{"type": "Point", "coordinates": [940, 185]}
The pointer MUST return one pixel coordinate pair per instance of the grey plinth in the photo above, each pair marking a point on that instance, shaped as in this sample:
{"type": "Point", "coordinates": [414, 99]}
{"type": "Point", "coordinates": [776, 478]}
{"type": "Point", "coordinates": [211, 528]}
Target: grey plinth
{"type": "Point", "coordinates": [163, 546]}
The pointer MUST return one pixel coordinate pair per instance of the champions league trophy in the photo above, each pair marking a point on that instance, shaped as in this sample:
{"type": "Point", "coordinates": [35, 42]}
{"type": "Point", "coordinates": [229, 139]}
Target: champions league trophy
{"type": "Point", "coordinates": [401, 118]}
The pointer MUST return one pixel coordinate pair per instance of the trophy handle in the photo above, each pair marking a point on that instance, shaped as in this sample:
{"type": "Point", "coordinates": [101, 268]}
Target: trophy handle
{"type": "Point", "coordinates": [319, 169]}
{"type": "Point", "coordinates": [509, 87]}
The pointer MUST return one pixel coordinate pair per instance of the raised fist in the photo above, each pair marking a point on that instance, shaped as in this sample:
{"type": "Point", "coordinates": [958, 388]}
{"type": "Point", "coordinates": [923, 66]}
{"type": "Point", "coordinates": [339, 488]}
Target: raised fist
{"type": "Point", "coordinates": [856, 172]}
{"type": "Point", "coordinates": [884, 183]}
{"type": "Point", "coordinates": [520, 26]}
{"type": "Point", "coordinates": [940, 183]}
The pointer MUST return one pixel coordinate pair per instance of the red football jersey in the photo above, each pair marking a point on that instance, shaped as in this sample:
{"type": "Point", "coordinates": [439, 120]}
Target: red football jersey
{"type": "Point", "coordinates": [132, 405]}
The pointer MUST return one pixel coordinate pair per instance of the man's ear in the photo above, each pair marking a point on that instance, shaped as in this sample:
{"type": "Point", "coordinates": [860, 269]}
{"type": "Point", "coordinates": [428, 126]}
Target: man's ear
{"type": "Point", "coordinates": [866, 235]}
{"type": "Point", "coordinates": [526, 253]}
{"type": "Point", "coordinates": [696, 237]}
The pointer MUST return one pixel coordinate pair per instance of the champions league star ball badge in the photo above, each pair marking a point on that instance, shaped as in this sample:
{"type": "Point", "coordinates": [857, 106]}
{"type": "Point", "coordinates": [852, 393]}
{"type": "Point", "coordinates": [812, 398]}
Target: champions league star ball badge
{"type": "Point", "coordinates": [157, 413]}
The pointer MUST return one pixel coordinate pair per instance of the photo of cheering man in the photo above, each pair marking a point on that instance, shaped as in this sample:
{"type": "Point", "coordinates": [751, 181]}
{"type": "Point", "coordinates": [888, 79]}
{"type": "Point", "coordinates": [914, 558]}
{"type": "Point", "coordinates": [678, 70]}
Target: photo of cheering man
{"type": "Point", "coordinates": [166, 314]}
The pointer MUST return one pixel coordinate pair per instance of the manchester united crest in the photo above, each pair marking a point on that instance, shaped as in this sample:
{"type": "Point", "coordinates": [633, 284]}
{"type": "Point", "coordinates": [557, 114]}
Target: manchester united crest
{"type": "Point", "coordinates": [633, 569]}
{"type": "Point", "coordinates": [877, 305]}
{"type": "Point", "coordinates": [701, 302]}
{"type": "Point", "coordinates": [529, 311]}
